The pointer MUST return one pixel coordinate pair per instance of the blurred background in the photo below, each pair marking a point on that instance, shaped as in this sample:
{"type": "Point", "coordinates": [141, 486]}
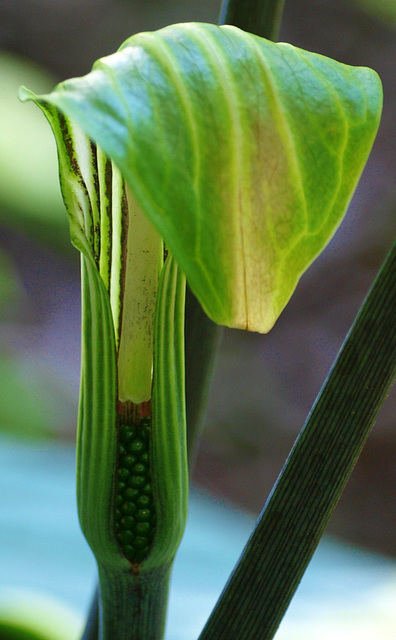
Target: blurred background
{"type": "Point", "coordinates": [263, 386]}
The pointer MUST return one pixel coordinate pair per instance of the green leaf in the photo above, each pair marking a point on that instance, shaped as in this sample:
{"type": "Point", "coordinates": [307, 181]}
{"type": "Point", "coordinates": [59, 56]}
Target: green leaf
{"type": "Point", "coordinates": [385, 10]}
{"type": "Point", "coordinates": [243, 153]}
{"type": "Point", "coordinates": [169, 449]}
{"type": "Point", "coordinates": [26, 615]}
{"type": "Point", "coordinates": [102, 220]}
{"type": "Point", "coordinates": [97, 434]}
{"type": "Point", "coordinates": [29, 188]}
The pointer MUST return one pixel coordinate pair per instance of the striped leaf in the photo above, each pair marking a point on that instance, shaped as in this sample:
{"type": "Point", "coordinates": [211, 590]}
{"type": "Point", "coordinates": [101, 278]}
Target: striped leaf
{"type": "Point", "coordinates": [115, 241]}
{"type": "Point", "coordinates": [243, 154]}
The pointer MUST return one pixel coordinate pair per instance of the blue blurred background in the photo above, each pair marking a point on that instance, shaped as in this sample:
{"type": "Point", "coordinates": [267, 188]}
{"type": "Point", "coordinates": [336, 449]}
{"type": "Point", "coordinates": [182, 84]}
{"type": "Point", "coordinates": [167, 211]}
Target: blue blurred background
{"type": "Point", "coordinates": [263, 386]}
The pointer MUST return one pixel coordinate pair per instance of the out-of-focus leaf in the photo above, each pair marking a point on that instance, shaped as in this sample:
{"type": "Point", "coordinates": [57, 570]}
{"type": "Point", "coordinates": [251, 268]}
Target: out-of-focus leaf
{"type": "Point", "coordinates": [26, 615]}
{"type": "Point", "coordinates": [32, 404]}
{"type": "Point", "coordinates": [383, 9]}
{"type": "Point", "coordinates": [9, 282]}
{"type": "Point", "coordinates": [29, 186]}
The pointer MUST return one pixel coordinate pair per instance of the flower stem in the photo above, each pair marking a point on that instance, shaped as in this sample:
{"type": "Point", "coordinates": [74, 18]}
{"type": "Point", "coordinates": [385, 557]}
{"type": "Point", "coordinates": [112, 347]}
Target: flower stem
{"type": "Point", "coordinates": [133, 606]}
{"type": "Point", "coordinates": [260, 17]}
{"type": "Point", "coordinates": [91, 631]}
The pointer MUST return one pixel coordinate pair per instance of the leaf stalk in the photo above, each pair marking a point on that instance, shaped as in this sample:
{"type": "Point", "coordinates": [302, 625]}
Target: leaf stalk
{"type": "Point", "coordinates": [261, 17]}
{"type": "Point", "coordinates": [315, 474]}
{"type": "Point", "coordinates": [133, 606]}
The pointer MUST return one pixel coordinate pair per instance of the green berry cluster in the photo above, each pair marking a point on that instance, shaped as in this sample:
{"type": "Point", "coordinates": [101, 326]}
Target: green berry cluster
{"type": "Point", "coordinates": [135, 515]}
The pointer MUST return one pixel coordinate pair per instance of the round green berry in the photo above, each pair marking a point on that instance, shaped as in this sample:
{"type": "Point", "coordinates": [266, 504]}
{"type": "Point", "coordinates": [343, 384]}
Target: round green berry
{"type": "Point", "coordinates": [143, 501]}
{"type": "Point", "coordinates": [127, 522]}
{"type": "Point", "coordinates": [147, 489]}
{"type": "Point", "coordinates": [126, 537]}
{"type": "Point", "coordinates": [123, 474]}
{"type": "Point", "coordinates": [121, 486]}
{"type": "Point", "coordinates": [128, 508]}
{"type": "Point", "coordinates": [137, 446]}
{"type": "Point", "coordinates": [127, 461]}
{"type": "Point", "coordinates": [143, 528]}
{"type": "Point", "coordinates": [140, 542]}
{"type": "Point", "coordinates": [143, 514]}
{"type": "Point", "coordinates": [121, 450]}
{"type": "Point", "coordinates": [131, 494]}
{"type": "Point", "coordinates": [139, 469]}
{"type": "Point", "coordinates": [125, 433]}
{"type": "Point", "coordinates": [128, 551]}
{"type": "Point", "coordinates": [137, 481]}
{"type": "Point", "coordinates": [119, 500]}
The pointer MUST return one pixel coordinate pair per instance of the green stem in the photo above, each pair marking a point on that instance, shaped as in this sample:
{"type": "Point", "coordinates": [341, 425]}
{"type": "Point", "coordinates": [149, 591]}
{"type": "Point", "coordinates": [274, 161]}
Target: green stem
{"type": "Point", "coordinates": [136, 604]}
{"type": "Point", "coordinates": [91, 631]}
{"type": "Point", "coordinates": [202, 337]}
{"type": "Point", "coordinates": [260, 17]}
{"type": "Point", "coordinates": [315, 474]}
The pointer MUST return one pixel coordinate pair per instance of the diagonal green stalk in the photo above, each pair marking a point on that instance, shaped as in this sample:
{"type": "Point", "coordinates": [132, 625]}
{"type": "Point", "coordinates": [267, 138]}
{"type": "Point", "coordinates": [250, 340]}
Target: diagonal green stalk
{"type": "Point", "coordinates": [312, 480]}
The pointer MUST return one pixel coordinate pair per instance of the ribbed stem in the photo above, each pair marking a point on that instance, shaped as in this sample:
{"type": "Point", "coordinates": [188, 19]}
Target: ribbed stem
{"type": "Point", "coordinates": [293, 520]}
{"type": "Point", "coordinates": [91, 631]}
{"type": "Point", "coordinates": [202, 337]}
{"type": "Point", "coordinates": [132, 606]}
{"type": "Point", "coordinates": [261, 17]}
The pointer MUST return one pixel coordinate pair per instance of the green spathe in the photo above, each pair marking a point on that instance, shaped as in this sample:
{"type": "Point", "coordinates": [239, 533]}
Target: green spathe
{"type": "Point", "coordinates": [244, 154]}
